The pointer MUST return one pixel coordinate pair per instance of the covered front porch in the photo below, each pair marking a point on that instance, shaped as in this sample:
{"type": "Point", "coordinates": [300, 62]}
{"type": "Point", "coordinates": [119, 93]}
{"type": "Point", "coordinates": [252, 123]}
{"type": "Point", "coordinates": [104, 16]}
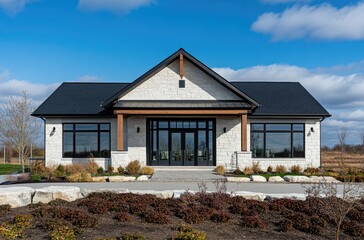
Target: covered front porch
{"type": "Point", "coordinates": [180, 137]}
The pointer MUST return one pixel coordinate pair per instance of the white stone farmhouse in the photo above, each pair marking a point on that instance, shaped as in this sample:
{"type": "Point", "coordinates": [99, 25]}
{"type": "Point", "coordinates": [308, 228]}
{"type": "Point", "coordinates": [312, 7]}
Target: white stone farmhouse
{"type": "Point", "coordinates": [182, 113]}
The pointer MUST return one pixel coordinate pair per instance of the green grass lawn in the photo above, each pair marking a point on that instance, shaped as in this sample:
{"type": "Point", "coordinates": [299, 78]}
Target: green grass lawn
{"type": "Point", "coordinates": [9, 168]}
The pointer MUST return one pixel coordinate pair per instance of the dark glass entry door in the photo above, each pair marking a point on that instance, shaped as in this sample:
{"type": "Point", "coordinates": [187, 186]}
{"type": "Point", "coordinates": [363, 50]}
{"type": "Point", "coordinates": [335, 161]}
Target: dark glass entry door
{"type": "Point", "coordinates": [180, 142]}
{"type": "Point", "coordinates": [183, 148]}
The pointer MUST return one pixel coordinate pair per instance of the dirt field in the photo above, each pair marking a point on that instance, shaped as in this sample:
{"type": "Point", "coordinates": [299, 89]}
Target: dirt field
{"type": "Point", "coordinates": [333, 160]}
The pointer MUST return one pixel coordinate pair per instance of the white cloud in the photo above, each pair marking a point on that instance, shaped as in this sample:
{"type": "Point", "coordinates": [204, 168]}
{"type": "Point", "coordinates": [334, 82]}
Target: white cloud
{"type": "Point", "coordinates": [316, 22]}
{"type": "Point", "coordinates": [88, 78]}
{"type": "Point", "coordinates": [342, 95]}
{"type": "Point", "coordinates": [115, 6]}
{"type": "Point", "coordinates": [12, 7]}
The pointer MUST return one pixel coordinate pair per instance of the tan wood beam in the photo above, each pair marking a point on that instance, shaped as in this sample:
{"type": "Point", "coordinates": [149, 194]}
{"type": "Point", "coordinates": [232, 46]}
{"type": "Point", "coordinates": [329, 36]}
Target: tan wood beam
{"type": "Point", "coordinates": [181, 112]}
{"type": "Point", "coordinates": [244, 125]}
{"type": "Point", "coordinates": [181, 65]}
{"type": "Point", "coordinates": [120, 139]}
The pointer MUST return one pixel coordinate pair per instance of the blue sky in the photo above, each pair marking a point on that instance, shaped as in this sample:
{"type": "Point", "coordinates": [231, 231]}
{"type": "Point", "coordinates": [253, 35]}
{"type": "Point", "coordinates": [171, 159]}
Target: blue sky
{"type": "Point", "coordinates": [318, 43]}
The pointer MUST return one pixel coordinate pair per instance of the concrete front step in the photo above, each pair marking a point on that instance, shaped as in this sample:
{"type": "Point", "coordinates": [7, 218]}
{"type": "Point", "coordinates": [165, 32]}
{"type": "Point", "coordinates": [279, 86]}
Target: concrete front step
{"type": "Point", "coordinates": [184, 168]}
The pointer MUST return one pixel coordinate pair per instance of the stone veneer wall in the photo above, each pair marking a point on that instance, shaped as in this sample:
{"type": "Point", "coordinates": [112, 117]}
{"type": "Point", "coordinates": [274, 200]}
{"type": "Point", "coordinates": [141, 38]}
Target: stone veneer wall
{"type": "Point", "coordinates": [53, 147]}
{"type": "Point", "coordinates": [164, 86]}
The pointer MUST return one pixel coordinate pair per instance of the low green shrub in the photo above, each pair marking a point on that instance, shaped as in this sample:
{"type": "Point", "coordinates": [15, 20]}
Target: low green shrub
{"type": "Point", "coordinates": [100, 170]}
{"type": "Point", "coordinates": [36, 177]}
{"type": "Point", "coordinates": [121, 170]}
{"type": "Point", "coordinates": [110, 169]}
{"type": "Point", "coordinates": [4, 208]}
{"type": "Point", "coordinates": [132, 236]}
{"type": "Point", "coordinates": [269, 169]}
{"type": "Point", "coordinates": [15, 228]}
{"type": "Point", "coordinates": [62, 232]}
{"type": "Point", "coordinates": [187, 232]}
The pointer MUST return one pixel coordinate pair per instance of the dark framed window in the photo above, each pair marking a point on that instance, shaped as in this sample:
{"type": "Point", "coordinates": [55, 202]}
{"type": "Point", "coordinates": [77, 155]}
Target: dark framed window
{"type": "Point", "coordinates": [86, 140]}
{"type": "Point", "coordinates": [277, 140]}
{"type": "Point", "coordinates": [179, 141]}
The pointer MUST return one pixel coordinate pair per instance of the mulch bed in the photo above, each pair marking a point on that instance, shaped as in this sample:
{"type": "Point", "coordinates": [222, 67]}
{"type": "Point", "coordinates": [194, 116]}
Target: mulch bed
{"type": "Point", "coordinates": [220, 216]}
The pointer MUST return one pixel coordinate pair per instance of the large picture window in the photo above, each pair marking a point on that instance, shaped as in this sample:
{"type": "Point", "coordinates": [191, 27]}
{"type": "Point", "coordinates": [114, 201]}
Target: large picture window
{"type": "Point", "coordinates": [86, 140]}
{"type": "Point", "coordinates": [270, 140]}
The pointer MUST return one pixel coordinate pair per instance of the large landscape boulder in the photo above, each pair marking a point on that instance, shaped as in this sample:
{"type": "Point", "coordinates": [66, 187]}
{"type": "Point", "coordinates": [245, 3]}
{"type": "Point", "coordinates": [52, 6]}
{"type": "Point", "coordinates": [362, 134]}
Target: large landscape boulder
{"type": "Point", "coordinates": [276, 179]}
{"type": "Point", "coordinates": [323, 179]}
{"type": "Point", "coordinates": [47, 194]}
{"type": "Point", "coordinates": [99, 179]}
{"type": "Point", "coordinates": [160, 194]}
{"type": "Point", "coordinates": [250, 195]}
{"type": "Point", "coordinates": [238, 179]}
{"type": "Point", "coordinates": [293, 196]}
{"type": "Point", "coordinates": [296, 179]}
{"type": "Point", "coordinates": [121, 179]}
{"type": "Point", "coordinates": [258, 178]}
{"type": "Point", "coordinates": [142, 178]}
{"type": "Point", "coordinates": [16, 196]}
{"type": "Point", "coordinates": [87, 192]}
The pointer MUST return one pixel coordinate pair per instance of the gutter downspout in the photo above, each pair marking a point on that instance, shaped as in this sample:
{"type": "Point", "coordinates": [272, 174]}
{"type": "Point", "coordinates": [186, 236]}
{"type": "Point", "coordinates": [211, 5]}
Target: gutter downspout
{"type": "Point", "coordinates": [44, 138]}
{"type": "Point", "coordinates": [323, 118]}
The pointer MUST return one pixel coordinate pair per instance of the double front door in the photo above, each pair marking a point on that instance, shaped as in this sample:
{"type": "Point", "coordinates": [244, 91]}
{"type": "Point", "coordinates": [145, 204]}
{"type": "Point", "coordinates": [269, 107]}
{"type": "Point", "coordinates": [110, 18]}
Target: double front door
{"type": "Point", "coordinates": [181, 142]}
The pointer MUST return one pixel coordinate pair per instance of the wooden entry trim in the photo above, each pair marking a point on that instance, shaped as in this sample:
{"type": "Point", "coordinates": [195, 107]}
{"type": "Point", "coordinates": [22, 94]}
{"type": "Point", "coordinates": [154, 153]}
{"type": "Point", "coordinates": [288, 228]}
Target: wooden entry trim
{"type": "Point", "coordinates": [181, 65]}
{"type": "Point", "coordinates": [120, 139]}
{"type": "Point", "coordinates": [244, 124]}
{"type": "Point", "coordinates": [181, 112]}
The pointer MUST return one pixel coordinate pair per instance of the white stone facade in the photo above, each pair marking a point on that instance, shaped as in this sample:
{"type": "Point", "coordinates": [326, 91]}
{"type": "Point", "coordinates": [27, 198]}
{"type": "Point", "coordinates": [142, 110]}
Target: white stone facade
{"type": "Point", "coordinates": [228, 144]}
{"type": "Point", "coordinates": [164, 86]}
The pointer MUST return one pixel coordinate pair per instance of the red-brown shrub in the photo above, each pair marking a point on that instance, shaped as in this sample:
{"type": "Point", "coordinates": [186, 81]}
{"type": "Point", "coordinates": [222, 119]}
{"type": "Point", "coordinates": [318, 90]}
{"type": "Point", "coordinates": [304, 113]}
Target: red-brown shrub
{"type": "Point", "coordinates": [122, 217]}
{"type": "Point", "coordinates": [285, 225]}
{"type": "Point", "coordinates": [77, 217]}
{"type": "Point", "coordinates": [155, 217]}
{"type": "Point", "coordinates": [220, 216]}
{"type": "Point", "coordinates": [252, 222]}
{"type": "Point", "coordinates": [353, 228]}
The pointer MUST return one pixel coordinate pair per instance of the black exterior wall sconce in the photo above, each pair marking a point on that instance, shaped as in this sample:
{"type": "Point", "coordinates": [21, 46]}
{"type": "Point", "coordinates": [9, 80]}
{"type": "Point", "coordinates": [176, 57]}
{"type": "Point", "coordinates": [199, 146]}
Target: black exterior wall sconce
{"type": "Point", "coordinates": [312, 130]}
{"type": "Point", "coordinates": [224, 129]}
{"type": "Point", "coordinates": [138, 129]}
{"type": "Point", "coordinates": [53, 131]}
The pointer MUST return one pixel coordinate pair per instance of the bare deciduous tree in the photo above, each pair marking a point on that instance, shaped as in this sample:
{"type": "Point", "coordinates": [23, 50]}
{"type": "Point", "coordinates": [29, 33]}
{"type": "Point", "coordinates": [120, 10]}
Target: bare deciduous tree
{"type": "Point", "coordinates": [336, 200]}
{"type": "Point", "coordinates": [341, 137]}
{"type": "Point", "coordinates": [17, 127]}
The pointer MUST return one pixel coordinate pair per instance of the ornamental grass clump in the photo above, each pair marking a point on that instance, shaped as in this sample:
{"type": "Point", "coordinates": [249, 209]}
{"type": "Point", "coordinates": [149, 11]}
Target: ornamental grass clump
{"type": "Point", "coordinates": [281, 169]}
{"type": "Point", "coordinates": [296, 169]}
{"type": "Point", "coordinates": [91, 167]}
{"type": "Point", "coordinates": [133, 167]}
{"type": "Point", "coordinates": [220, 170]}
{"type": "Point", "coordinates": [146, 170]}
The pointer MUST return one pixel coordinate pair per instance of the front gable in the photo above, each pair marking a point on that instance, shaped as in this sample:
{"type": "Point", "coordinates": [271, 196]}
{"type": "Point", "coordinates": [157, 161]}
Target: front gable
{"type": "Point", "coordinates": [162, 83]}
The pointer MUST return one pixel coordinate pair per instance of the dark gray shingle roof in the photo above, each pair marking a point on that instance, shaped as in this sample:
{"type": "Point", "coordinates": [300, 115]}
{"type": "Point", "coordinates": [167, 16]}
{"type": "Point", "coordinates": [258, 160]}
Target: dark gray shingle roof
{"type": "Point", "coordinates": [282, 98]}
{"type": "Point", "coordinates": [79, 99]}
{"type": "Point", "coordinates": [277, 98]}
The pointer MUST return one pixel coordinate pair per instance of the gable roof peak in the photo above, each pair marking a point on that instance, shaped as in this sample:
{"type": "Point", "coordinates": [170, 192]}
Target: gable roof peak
{"type": "Point", "coordinates": [169, 60]}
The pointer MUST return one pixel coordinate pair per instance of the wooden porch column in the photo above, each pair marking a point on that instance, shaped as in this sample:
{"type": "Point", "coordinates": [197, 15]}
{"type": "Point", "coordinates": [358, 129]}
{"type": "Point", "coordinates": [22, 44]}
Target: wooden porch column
{"type": "Point", "coordinates": [244, 123]}
{"type": "Point", "coordinates": [120, 132]}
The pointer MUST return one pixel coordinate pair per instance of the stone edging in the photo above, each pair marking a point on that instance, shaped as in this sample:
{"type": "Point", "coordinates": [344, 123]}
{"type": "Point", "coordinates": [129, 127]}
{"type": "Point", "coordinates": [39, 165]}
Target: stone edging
{"type": "Point", "coordinates": [23, 196]}
{"type": "Point", "coordinates": [285, 179]}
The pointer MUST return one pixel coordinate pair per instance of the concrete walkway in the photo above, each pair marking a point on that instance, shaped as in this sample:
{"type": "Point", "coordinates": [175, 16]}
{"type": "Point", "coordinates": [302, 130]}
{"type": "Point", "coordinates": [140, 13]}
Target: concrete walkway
{"type": "Point", "coordinates": [185, 176]}
{"type": "Point", "coordinates": [160, 186]}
